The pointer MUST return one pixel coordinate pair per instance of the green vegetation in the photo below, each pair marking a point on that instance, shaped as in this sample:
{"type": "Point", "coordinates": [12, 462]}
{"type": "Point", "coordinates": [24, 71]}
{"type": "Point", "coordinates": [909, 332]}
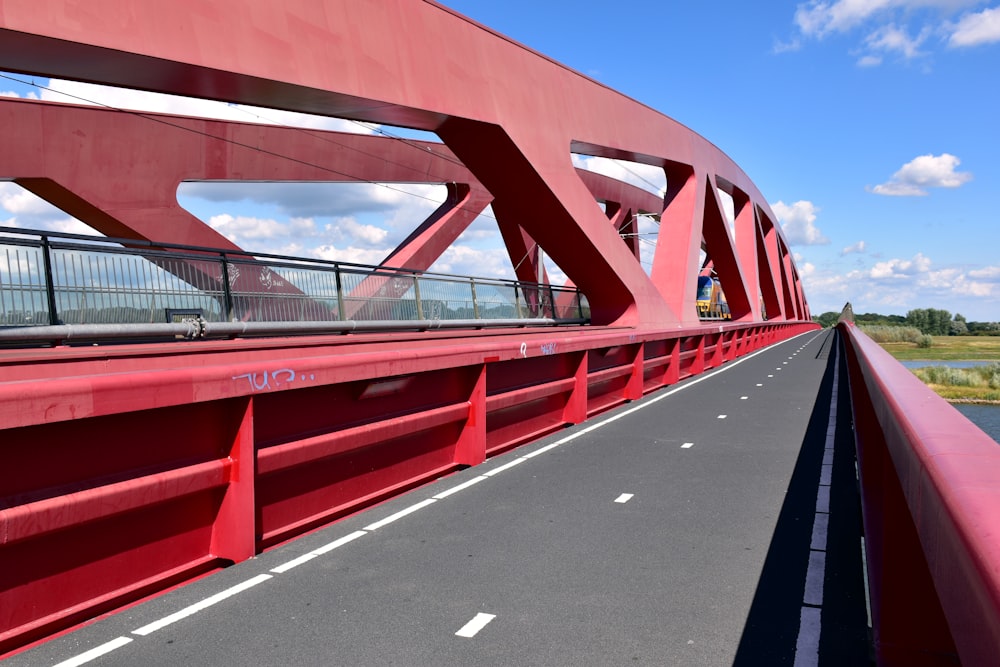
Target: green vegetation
{"type": "Point", "coordinates": [947, 348]}
{"type": "Point", "coordinates": [929, 321]}
{"type": "Point", "coordinates": [980, 383]}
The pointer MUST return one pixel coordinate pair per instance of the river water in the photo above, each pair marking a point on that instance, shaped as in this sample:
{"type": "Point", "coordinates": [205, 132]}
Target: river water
{"type": "Point", "coordinates": [986, 417]}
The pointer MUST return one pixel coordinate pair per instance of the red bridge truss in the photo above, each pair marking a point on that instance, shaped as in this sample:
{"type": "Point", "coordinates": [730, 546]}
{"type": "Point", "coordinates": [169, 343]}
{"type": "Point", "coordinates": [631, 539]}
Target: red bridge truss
{"type": "Point", "coordinates": [128, 468]}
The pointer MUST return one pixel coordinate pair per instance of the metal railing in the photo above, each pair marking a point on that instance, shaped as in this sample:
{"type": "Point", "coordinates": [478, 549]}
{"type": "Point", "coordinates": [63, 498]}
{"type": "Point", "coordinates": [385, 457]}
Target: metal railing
{"type": "Point", "coordinates": [64, 280]}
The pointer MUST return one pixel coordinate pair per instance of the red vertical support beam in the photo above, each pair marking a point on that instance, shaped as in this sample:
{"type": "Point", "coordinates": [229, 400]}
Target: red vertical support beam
{"type": "Point", "coordinates": [676, 262]}
{"type": "Point", "coordinates": [633, 388]}
{"type": "Point", "coordinates": [233, 532]}
{"type": "Point", "coordinates": [746, 248]}
{"type": "Point", "coordinates": [470, 449]}
{"type": "Point", "coordinates": [725, 260]}
{"type": "Point", "coordinates": [576, 404]}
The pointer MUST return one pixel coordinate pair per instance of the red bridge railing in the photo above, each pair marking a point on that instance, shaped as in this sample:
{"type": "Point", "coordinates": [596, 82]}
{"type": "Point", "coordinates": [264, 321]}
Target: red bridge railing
{"type": "Point", "coordinates": [930, 484]}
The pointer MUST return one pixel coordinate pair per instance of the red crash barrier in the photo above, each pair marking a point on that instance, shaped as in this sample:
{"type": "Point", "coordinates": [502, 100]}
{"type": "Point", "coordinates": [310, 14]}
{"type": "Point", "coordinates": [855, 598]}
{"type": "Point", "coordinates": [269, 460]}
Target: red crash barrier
{"type": "Point", "coordinates": [930, 483]}
{"type": "Point", "coordinates": [129, 468]}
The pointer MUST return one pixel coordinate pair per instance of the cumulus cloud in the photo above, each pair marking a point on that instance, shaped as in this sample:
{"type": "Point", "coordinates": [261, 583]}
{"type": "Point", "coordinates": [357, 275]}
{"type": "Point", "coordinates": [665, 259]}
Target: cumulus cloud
{"type": "Point", "coordinates": [897, 27]}
{"type": "Point", "coordinates": [898, 285]}
{"type": "Point", "coordinates": [798, 222]}
{"type": "Point", "coordinates": [858, 247]}
{"type": "Point", "coordinates": [976, 28]}
{"type": "Point", "coordinates": [922, 172]}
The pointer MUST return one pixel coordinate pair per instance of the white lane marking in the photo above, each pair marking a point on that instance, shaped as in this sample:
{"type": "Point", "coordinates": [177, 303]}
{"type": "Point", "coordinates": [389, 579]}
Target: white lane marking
{"type": "Point", "coordinates": [336, 544]}
{"type": "Point", "coordinates": [770, 376]}
{"type": "Point", "coordinates": [722, 416]}
{"type": "Point", "coordinates": [541, 450]}
{"type": "Point", "coordinates": [479, 622]}
{"type": "Point", "coordinates": [807, 646]}
{"type": "Point", "coordinates": [95, 652]}
{"type": "Point", "coordinates": [814, 579]}
{"type": "Point", "coordinates": [199, 606]}
{"type": "Point", "coordinates": [821, 526]}
{"type": "Point", "coordinates": [825, 475]}
{"type": "Point", "coordinates": [460, 487]}
{"type": "Point", "coordinates": [506, 466]}
{"type": "Point", "coordinates": [743, 398]}
{"type": "Point", "coordinates": [823, 499]}
{"type": "Point", "coordinates": [687, 445]}
{"type": "Point", "coordinates": [400, 514]}
{"type": "Point", "coordinates": [760, 384]}
{"type": "Point", "coordinates": [295, 562]}
{"type": "Point", "coordinates": [624, 498]}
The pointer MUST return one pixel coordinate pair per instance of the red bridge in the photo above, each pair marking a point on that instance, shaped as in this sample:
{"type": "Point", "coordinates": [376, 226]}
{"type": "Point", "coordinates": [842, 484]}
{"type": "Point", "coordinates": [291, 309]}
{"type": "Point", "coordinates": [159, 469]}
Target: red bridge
{"type": "Point", "coordinates": [306, 391]}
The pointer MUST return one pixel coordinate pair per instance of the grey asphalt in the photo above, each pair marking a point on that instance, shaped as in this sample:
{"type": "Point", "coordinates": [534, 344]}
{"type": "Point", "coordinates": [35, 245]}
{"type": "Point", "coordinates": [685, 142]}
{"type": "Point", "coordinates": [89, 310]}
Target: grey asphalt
{"type": "Point", "coordinates": [703, 565]}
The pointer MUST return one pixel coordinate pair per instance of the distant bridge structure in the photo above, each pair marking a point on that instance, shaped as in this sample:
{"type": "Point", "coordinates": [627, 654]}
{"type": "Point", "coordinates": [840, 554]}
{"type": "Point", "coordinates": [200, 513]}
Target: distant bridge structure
{"type": "Point", "coordinates": [131, 467]}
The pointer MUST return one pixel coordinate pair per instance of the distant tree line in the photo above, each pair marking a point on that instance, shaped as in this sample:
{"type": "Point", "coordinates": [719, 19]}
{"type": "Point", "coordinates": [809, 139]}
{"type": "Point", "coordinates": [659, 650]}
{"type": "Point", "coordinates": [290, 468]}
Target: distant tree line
{"type": "Point", "coordinates": [929, 321]}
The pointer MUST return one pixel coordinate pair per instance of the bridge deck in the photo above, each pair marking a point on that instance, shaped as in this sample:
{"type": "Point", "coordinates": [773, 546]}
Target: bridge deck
{"type": "Point", "coordinates": [716, 555]}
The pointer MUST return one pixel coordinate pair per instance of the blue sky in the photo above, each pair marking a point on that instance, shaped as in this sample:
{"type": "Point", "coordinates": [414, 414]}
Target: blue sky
{"type": "Point", "coordinates": [871, 127]}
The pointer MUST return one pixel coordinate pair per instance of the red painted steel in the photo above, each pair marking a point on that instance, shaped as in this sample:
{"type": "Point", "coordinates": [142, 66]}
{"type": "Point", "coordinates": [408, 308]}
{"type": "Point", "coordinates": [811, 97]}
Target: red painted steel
{"type": "Point", "coordinates": [130, 467]}
{"type": "Point", "coordinates": [930, 482]}
{"type": "Point", "coordinates": [301, 56]}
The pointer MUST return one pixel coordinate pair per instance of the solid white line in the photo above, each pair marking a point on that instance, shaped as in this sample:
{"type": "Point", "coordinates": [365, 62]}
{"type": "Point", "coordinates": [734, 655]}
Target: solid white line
{"type": "Point", "coordinates": [687, 445]}
{"type": "Point", "coordinates": [400, 514]}
{"type": "Point", "coordinates": [475, 625]}
{"type": "Point", "coordinates": [807, 646]}
{"type": "Point", "coordinates": [541, 450]}
{"type": "Point", "coordinates": [199, 606]}
{"type": "Point", "coordinates": [295, 562]}
{"type": "Point", "coordinates": [460, 487]}
{"type": "Point", "coordinates": [505, 466]}
{"type": "Point", "coordinates": [94, 653]}
{"type": "Point", "coordinates": [624, 498]}
{"type": "Point", "coordinates": [326, 548]}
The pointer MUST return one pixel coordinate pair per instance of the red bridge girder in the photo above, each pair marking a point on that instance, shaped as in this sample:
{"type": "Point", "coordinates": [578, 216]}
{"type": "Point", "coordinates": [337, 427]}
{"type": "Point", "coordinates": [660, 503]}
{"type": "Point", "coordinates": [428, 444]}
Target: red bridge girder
{"type": "Point", "coordinates": [470, 86]}
{"type": "Point", "coordinates": [248, 442]}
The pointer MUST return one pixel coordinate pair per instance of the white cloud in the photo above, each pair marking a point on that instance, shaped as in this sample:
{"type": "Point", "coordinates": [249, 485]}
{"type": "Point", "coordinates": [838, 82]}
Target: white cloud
{"type": "Point", "coordinates": [892, 39]}
{"type": "Point", "coordinates": [977, 28]}
{"type": "Point", "coordinates": [858, 247]}
{"type": "Point", "coordinates": [645, 176]}
{"type": "Point", "coordinates": [466, 261]}
{"type": "Point", "coordinates": [898, 27]}
{"type": "Point", "coordinates": [898, 285]}
{"type": "Point", "coordinates": [798, 222]}
{"type": "Point", "coordinates": [920, 173]}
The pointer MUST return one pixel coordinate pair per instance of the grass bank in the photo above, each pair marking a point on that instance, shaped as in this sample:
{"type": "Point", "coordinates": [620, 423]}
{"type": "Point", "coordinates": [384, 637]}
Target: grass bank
{"type": "Point", "coordinates": [959, 385]}
{"type": "Point", "coordinates": [949, 348]}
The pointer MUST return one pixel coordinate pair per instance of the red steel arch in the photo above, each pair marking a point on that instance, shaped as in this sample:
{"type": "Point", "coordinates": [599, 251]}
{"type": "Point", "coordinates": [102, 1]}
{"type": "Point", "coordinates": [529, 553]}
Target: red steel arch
{"type": "Point", "coordinates": [230, 465]}
{"type": "Point", "coordinates": [511, 115]}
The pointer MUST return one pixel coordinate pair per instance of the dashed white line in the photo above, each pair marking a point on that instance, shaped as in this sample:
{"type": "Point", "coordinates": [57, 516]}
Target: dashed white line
{"type": "Point", "coordinates": [624, 498]}
{"type": "Point", "coordinates": [478, 622]}
{"type": "Point", "coordinates": [759, 384]}
{"type": "Point", "coordinates": [400, 514]}
{"type": "Point", "coordinates": [743, 398]}
{"type": "Point", "coordinates": [722, 416]}
{"type": "Point", "coordinates": [687, 445]}
{"type": "Point", "coordinates": [807, 645]}
{"type": "Point", "coordinates": [95, 652]}
{"type": "Point", "coordinates": [199, 606]}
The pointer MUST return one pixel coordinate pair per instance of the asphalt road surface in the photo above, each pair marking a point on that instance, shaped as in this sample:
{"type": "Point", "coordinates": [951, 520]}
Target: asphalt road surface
{"type": "Point", "coordinates": [688, 528]}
